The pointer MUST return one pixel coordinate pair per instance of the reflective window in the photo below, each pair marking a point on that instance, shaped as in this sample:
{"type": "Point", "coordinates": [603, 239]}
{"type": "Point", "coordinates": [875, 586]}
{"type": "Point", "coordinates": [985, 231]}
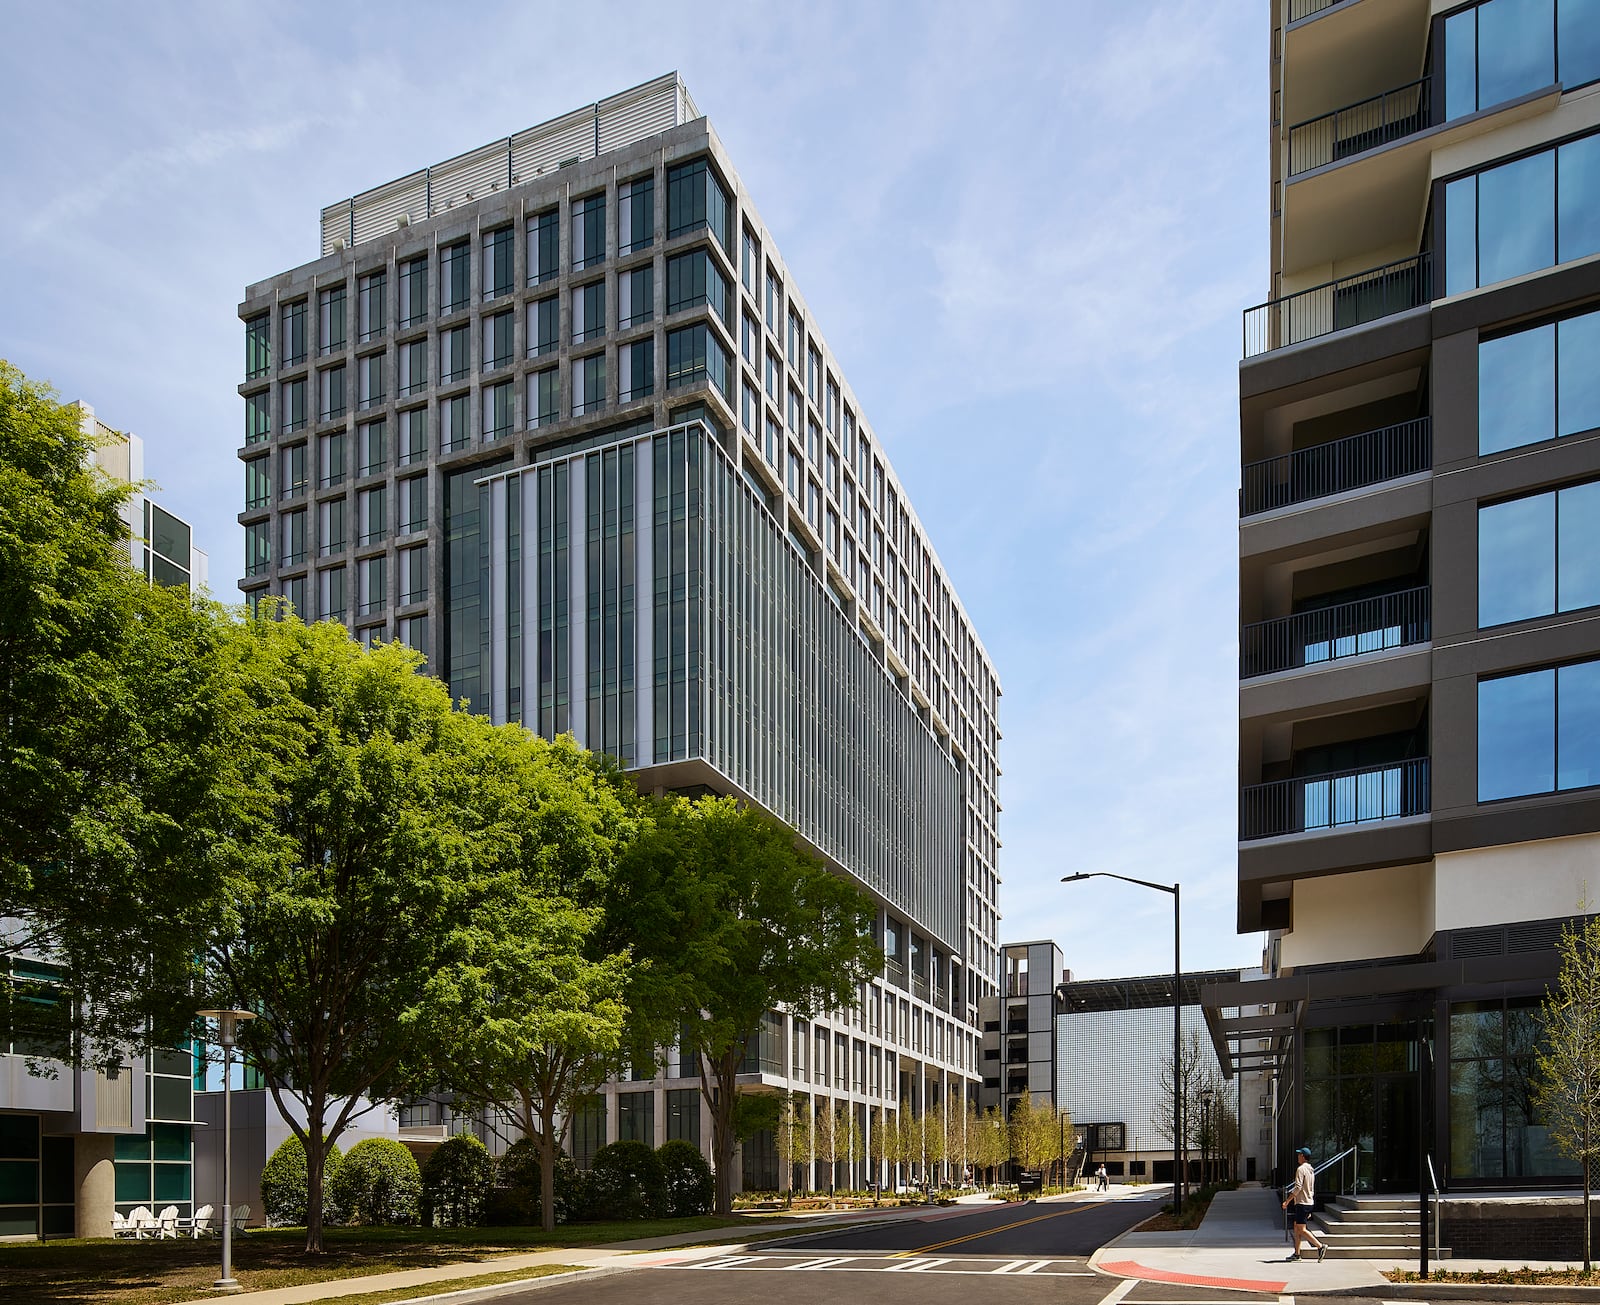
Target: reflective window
{"type": "Point", "coordinates": [1539, 383]}
{"type": "Point", "coordinates": [695, 198]}
{"type": "Point", "coordinates": [544, 326]}
{"type": "Point", "coordinates": [1501, 49]}
{"type": "Point", "coordinates": [1578, 215]}
{"type": "Point", "coordinates": [636, 215]}
{"type": "Point", "coordinates": [1516, 218]}
{"type": "Point", "coordinates": [1517, 560]}
{"type": "Point", "coordinates": [497, 273]}
{"type": "Point", "coordinates": [544, 231]}
{"type": "Point", "coordinates": [1539, 731]}
{"type": "Point", "coordinates": [455, 263]}
{"type": "Point", "coordinates": [258, 346]}
{"type": "Point", "coordinates": [589, 231]}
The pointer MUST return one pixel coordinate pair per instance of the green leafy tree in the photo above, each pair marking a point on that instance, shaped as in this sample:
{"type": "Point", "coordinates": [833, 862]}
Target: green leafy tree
{"type": "Point", "coordinates": [888, 1144]}
{"type": "Point", "coordinates": [117, 752]}
{"type": "Point", "coordinates": [825, 1141]}
{"type": "Point", "coordinates": [378, 1184]}
{"type": "Point", "coordinates": [793, 1137]}
{"type": "Point", "coordinates": [283, 1182]}
{"type": "Point", "coordinates": [730, 920]}
{"type": "Point", "coordinates": [1566, 1077]}
{"type": "Point", "coordinates": [369, 838]}
{"type": "Point", "coordinates": [628, 1182]}
{"type": "Point", "coordinates": [457, 1179]}
{"type": "Point", "coordinates": [990, 1146]}
{"type": "Point", "coordinates": [686, 1179]}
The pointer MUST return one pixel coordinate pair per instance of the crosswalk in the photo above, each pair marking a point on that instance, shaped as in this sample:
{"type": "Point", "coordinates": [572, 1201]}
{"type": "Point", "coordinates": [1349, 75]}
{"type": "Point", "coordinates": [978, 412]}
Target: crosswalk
{"type": "Point", "coordinates": [989, 1267]}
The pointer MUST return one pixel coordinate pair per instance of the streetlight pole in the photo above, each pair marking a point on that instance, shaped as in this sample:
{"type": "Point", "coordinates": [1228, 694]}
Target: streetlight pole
{"type": "Point", "coordinates": [1177, 1020]}
{"type": "Point", "coordinates": [228, 1022]}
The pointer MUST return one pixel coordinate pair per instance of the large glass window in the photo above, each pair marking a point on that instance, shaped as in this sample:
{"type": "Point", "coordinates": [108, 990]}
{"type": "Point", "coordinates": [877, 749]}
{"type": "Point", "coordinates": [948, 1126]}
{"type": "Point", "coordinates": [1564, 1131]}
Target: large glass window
{"type": "Point", "coordinates": [636, 215]}
{"type": "Point", "coordinates": [257, 417]}
{"type": "Point", "coordinates": [1539, 555]}
{"type": "Point", "coordinates": [293, 466]}
{"type": "Point", "coordinates": [455, 360]}
{"type": "Point", "coordinates": [544, 230]}
{"type": "Point", "coordinates": [331, 393]}
{"type": "Point", "coordinates": [588, 384]}
{"type": "Point", "coordinates": [497, 341]}
{"type": "Point", "coordinates": [414, 367]}
{"type": "Point", "coordinates": [455, 277]}
{"type": "Point", "coordinates": [695, 198]}
{"type": "Point", "coordinates": [693, 279]}
{"type": "Point", "coordinates": [330, 527]}
{"type": "Point", "coordinates": [330, 594]}
{"type": "Point", "coordinates": [636, 1117]}
{"type": "Point", "coordinates": [589, 231]}
{"type": "Point", "coordinates": [588, 311]}
{"type": "Point", "coordinates": [413, 291]}
{"type": "Point", "coordinates": [1539, 731]}
{"type": "Point", "coordinates": [294, 540]}
{"type": "Point", "coordinates": [694, 355]}
{"type": "Point", "coordinates": [257, 346]}
{"type": "Point", "coordinates": [331, 459]}
{"type": "Point", "coordinates": [257, 483]}
{"type": "Point", "coordinates": [331, 333]}
{"type": "Point", "coordinates": [498, 404]}
{"type": "Point", "coordinates": [544, 326]}
{"type": "Point", "coordinates": [1501, 49]}
{"type": "Point", "coordinates": [292, 333]}
{"type": "Point", "coordinates": [637, 373]}
{"type": "Point", "coordinates": [544, 397]}
{"type": "Point", "coordinates": [369, 379]}
{"type": "Point", "coordinates": [372, 442]}
{"type": "Point", "coordinates": [374, 315]}
{"type": "Point", "coordinates": [257, 547]}
{"type": "Point", "coordinates": [1496, 1130]}
{"type": "Point", "coordinates": [455, 425]}
{"type": "Point", "coordinates": [413, 435]}
{"type": "Point", "coordinates": [636, 296]}
{"type": "Point", "coordinates": [683, 1115]}
{"type": "Point", "coordinates": [1538, 384]}
{"type": "Point", "coordinates": [498, 279]}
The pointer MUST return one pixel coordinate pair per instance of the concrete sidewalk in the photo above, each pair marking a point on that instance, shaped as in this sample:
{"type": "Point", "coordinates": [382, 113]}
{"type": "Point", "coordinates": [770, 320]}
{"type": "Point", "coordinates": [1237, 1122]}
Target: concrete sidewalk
{"type": "Point", "coordinates": [1241, 1244]}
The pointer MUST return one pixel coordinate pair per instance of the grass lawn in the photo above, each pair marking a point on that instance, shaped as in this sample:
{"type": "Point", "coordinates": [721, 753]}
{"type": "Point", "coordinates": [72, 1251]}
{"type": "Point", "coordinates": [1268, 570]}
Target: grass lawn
{"type": "Point", "coordinates": [158, 1272]}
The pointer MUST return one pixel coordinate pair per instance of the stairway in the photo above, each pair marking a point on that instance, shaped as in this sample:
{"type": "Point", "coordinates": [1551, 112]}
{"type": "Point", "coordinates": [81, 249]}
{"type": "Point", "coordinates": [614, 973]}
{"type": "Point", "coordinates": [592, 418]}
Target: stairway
{"type": "Point", "coordinates": [1370, 1228]}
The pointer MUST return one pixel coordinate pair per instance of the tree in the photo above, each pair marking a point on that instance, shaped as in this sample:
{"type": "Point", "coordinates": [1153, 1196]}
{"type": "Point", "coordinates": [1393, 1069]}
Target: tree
{"type": "Point", "coordinates": [690, 1189]}
{"type": "Point", "coordinates": [1192, 1067]}
{"type": "Point", "coordinates": [116, 752]}
{"type": "Point", "coordinates": [283, 1182]}
{"type": "Point", "coordinates": [1566, 1078]}
{"type": "Point", "coordinates": [959, 1124]}
{"type": "Point", "coordinates": [889, 1144]}
{"type": "Point", "coordinates": [793, 1137]}
{"type": "Point", "coordinates": [825, 1141]}
{"type": "Point", "coordinates": [531, 1016]}
{"type": "Point", "coordinates": [729, 919]}
{"type": "Point", "coordinates": [378, 1184]}
{"type": "Point", "coordinates": [457, 1179]}
{"type": "Point", "coordinates": [364, 845]}
{"type": "Point", "coordinates": [991, 1147]}
{"type": "Point", "coordinates": [847, 1140]}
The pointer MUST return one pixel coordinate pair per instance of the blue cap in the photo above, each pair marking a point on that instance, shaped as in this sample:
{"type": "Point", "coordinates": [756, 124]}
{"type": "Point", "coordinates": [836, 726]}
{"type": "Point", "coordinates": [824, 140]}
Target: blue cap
{"type": "Point", "coordinates": [1303, 1150]}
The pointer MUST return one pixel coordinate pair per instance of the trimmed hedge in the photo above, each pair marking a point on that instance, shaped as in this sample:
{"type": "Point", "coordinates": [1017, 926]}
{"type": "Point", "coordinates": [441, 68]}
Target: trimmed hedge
{"type": "Point", "coordinates": [285, 1185]}
{"type": "Point", "coordinates": [515, 1201]}
{"type": "Point", "coordinates": [456, 1183]}
{"type": "Point", "coordinates": [686, 1179]}
{"type": "Point", "coordinates": [627, 1182]}
{"type": "Point", "coordinates": [378, 1183]}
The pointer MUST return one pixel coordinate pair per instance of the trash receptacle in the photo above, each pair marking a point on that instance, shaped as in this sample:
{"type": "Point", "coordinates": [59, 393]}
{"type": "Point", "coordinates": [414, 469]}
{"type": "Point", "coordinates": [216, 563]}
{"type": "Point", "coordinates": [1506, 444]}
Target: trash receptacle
{"type": "Point", "coordinates": [1029, 1186]}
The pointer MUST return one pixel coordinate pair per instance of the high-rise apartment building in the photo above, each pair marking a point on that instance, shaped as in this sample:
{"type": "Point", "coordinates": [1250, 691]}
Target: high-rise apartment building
{"type": "Point", "coordinates": [555, 413]}
{"type": "Point", "coordinates": [1419, 575]}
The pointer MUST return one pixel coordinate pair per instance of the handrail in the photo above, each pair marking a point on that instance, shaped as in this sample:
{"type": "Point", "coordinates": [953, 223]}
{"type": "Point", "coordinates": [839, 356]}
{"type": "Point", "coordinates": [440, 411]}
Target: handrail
{"type": "Point", "coordinates": [1379, 791]}
{"type": "Point", "coordinates": [1433, 1182]}
{"type": "Point", "coordinates": [1335, 305]}
{"type": "Point", "coordinates": [1328, 634]}
{"type": "Point", "coordinates": [1356, 128]}
{"type": "Point", "coordinates": [1350, 462]}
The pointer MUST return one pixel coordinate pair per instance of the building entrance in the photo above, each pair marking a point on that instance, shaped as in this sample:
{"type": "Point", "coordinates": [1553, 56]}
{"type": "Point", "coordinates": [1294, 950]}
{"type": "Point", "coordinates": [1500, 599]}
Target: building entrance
{"type": "Point", "coordinates": [1361, 1091]}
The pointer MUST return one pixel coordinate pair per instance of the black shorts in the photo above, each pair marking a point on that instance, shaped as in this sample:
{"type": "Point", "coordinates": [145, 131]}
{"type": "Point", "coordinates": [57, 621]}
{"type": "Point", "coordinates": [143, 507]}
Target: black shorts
{"type": "Point", "coordinates": [1299, 1213]}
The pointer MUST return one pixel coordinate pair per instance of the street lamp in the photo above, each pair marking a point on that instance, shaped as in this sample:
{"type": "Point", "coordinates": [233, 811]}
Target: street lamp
{"type": "Point", "coordinates": [1177, 1021]}
{"type": "Point", "coordinates": [228, 1022]}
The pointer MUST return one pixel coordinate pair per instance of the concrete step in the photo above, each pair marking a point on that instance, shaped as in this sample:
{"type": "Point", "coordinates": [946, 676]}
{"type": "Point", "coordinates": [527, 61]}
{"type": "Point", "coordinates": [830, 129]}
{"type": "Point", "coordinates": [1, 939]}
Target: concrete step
{"type": "Point", "coordinates": [1386, 1252]}
{"type": "Point", "coordinates": [1336, 1214]}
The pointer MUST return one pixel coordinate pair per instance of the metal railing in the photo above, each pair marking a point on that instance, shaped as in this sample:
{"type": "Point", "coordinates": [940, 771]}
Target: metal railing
{"type": "Point", "coordinates": [1333, 800]}
{"type": "Point", "coordinates": [1335, 305]}
{"type": "Point", "coordinates": [1328, 634]}
{"type": "Point", "coordinates": [1336, 466]}
{"type": "Point", "coordinates": [1299, 9]}
{"type": "Point", "coordinates": [1362, 126]}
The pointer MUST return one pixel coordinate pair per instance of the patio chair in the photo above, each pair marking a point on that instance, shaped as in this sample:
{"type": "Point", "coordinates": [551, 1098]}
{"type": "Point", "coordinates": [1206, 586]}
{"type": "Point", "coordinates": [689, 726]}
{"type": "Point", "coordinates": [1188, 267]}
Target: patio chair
{"type": "Point", "coordinates": [142, 1222]}
{"type": "Point", "coordinates": [120, 1227]}
{"type": "Point", "coordinates": [241, 1216]}
{"type": "Point", "coordinates": [200, 1225]}
{"type": "Point", "coordinates": [167, 1222]}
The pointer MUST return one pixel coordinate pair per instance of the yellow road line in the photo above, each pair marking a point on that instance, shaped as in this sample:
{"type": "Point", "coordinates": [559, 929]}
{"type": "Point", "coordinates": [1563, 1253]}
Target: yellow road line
{"type": "Point", "coordinates": [987, 1232]}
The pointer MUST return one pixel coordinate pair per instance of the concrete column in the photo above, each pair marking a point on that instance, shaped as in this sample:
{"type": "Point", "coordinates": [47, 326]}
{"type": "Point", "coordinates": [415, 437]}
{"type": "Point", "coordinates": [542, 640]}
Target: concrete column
{"type": "Point", "coordinates": [94, 1182]}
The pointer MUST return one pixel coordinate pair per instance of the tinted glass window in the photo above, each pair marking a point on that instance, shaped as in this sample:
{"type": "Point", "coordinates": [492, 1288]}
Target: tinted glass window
{"type": "Point", "coordinates": [1578, 383]}
{"type": "Point", "coordinates": [1578, 547]}
{"type": "Point", "coordinates": [1516, 389]}
{"type": "Point", "coordinates": [1516, 735]}
{"type": "Point", "coordinates": [1516, 49]}
{"type": "Point", "coordinates": [1578, 41]}
{"type": "Point", "coordinates": [1578, 726]}
{"type": "Point", "coordinates": [1579, 215]}
{"type": "Point", "coordinates": [1517, 560]}
{"type": "Point", "coordinates": [1516, 218]}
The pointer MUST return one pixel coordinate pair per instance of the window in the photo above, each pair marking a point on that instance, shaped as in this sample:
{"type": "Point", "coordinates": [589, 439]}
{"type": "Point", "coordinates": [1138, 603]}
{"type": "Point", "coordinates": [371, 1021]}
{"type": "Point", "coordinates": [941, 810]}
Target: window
{"type": "Point", "coordinates": [455, 277]}
{"type": "Point", "coordinates": [413, 436]}
{"type": "Point", "coordinates": [414, 505]}
{"type": "Point", "coordinates": [331, 537]}
{"type": "Point", "coordinates": [331, 333]}
{"type": "Point", "coordinates": [544, 242]}
{"type": "Point", "coordinates": [257, 417]}
{"type": "Point", "coordinates": [330, 391]}
{"type": "Point", "coordinates": [636, 1118]}
{"type": "Point", "coordinates": [413, 291]}
{"type": "Point", "coordinates": [750, 263]}
{"type": "Point", "coordinates": [454, 355]}
{"type": "Point", "coordinates": [588, 383]}
{"type": "Point", "coordinates": [772, 444]}
{"type": "Point", "coordinates": [257, 346]}
{"type": "Point", "coordinates": [1523, 215]}
{"type": "Point", "coordinates": [414, 367]}
{"type": "Point", "coordinates": [497, 410]}
{"type": "Point", "coordinates": [748, 332]}
{"type": "Point", "coordinates": [1539, 731]}
{"type": "Point", "coordinates": [813, 374]}
{"type": "Point", "coordinates": [636, 215]}
{"type": "Point", "coordinates": [293, 526]}
{"type": "Point", "coordinates": [372, 290]}
{"type": "Point", "coordinates": [414, 575]}
{"type": "Point", "coordinates": [544, 397]}
{"type": "Point", "coordinates": [455, 431]}
{"type": "Point", "coordinates": [589, 231]}
{"type": "Point", "coordinates": [331, 459]}
{"type": "Point", "coordinates": [257, 483]}
{"type": "Point", "coordinates": [371, 636]}
{"type": "Point", "coordinates": [498, 278]}
{"type": "Point", "coordinates": [1539, 555]}
{"type": "Point", "coordinates": [257, 548]}
{"type": "Point", "coordinates": [683, 1115]}
{"type": "Point", "coordinates": [830, 410]}
{"type": "Point", "coordinates": [293, 466]}
{"type": "Point", "coordinates": [637, 376]}
{"type": "Point", "coordinates": [497, 341]}
{"type": "Point", "coordinates": [797, 333]}
{"type": "Point", "coordinates": [774, 301]}
{"type": "Point", "coordinates": [414, 632]}
{"type": "Point", "coordinates": [813, 502]}
{"type": "Point", "coordinates": [374, 577]}
{"type": "Point", "coordinates": [796, 463]}
{"type": "Point", "coordinates": [292, 333]}
{"type": "Point", "coordinates": [774, 378]}
{"type": "Point", "coordinates": [373, 445]}
{"type": "Point", "coordinates": [695, 198]}
{"type": "Point", "coordinates": [813, 441]}
{"type": "Point", "coordinates": [544, 326]}
{"type": "Point", "coordinates": [369, 376]}
{"type": "Point", "coordinates": [1506, 48]}
{"type": "Point", "coordinates": [330, 594]}
{"type": "Point", "coordinates": [749, 406]}
{"type": "Point", "coordinates": [832, 463]}
{"type": "Point", "coordinates": [636, 296]}
{"type": "Point", "coordinates": [794, 411]}
{"type": "Point", "coordinates": [1539, 384]}
{"type": "Point", "coordinates": [694, 355]}
{"type": "Point", "coordinates": [694, 279]}
{"type": "Point", "coordinates": [588, 311]}
{"type": "Point", "coordinates": [373, 507]}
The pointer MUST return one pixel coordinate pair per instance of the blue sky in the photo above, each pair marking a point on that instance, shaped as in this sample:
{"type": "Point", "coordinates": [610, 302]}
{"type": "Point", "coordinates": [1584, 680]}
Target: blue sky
{"type": "Point", "coordinates": [1027, 231]}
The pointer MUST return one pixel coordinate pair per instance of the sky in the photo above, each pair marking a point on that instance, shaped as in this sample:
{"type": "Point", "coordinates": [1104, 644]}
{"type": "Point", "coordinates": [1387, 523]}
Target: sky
{"type": "Point", "coordinates": [1027, 232]}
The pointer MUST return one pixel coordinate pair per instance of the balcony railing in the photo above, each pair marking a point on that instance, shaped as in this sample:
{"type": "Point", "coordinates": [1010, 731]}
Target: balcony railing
{"type": "Point", "coordinates": [1358, 127]}
{"type": "Point", "coordinates": [1336, 466]}
{"type": "Point", "coordinates": [1299, 9]}
{"type": "Point", "coordinates": [1327, 634]}
{"type": "Point", "coordinates": [1348, 797]}
{"type": "Point", "coordinates": [1336, 305]}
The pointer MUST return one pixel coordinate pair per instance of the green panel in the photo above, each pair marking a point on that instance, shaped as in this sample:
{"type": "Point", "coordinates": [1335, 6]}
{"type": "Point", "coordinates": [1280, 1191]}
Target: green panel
{"type": "Point", "coordinates": [169, 1098]}
{"type": "Point", "coordinates": [132, 1147]}
{"type": "Point", "coordinates": [19, 1223]}
{"type": "Point", "coordinates": [55, 1172]}
{"type": "Point", "coordinates": [171, 1141]}
{"type": "Point", "coordinates": [172, 1182]}
{"type": "Point", "coordinates": [168, 1061]}
{"type": "Point", "coordinates": [19, 1182]}
{"type": "Point", "coordinates": [133, 1181]}
{"type": "Point", "coordinates": [19, 1137]}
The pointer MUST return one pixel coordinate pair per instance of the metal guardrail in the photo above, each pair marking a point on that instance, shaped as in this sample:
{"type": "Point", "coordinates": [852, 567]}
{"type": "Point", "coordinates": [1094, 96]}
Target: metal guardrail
{"type": "Point", "coordinates": [1327, 634]}
{"type": "Point", "coordinates": [1299, 9]}
{"type": "Point", "coordinates": [1336, 466]}
{"type": "Point", "coordinates": [1336, 799]}
{"type": "Point", "coordinates": [1338, 304]}
{"type": "Point", "coordinates": [1355, 128]}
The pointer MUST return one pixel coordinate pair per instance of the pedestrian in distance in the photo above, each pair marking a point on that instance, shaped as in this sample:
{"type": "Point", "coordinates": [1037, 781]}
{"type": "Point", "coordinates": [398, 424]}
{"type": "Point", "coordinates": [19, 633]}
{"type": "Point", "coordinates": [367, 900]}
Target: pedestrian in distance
{"type": "Point", "coordinates": [1100, 1183]}
{"type": "Point", "coordinates": [1302, 1196]}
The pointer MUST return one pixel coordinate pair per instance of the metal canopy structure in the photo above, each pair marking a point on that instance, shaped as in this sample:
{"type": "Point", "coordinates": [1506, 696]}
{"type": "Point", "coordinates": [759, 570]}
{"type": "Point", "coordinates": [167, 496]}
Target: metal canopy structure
{"type": "Point", "coordinates": [1147, 992]}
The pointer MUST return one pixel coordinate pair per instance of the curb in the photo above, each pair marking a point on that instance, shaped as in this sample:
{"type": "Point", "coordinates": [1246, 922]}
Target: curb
{"type": "Point", "coordinates": [1454, 1291]}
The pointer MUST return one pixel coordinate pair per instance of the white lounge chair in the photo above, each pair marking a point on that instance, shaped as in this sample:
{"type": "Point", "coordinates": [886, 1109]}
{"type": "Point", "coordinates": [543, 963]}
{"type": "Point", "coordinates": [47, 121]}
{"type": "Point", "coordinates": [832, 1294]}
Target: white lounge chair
{"type": "Point", "coordinates": [167, 1222]}
{"type": "Point", "coordinates": [241, 1216]}
{"type": "Point", "coordinates": [119, 1225]}
{"type": "Point", "coordinates": [200, 1225]}
{"type": "Point", "coordinates": [142, 1222]}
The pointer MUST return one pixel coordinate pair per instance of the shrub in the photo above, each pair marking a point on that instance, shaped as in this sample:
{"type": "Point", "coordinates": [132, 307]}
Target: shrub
{"type": "Point", "coordinates": [285, 1185]}
{"type": "Point", "coordinates": [686, 1179]}
{"type": "Point", "coordinates": [378, 1183]}
{"type": "Point", "coordinates": [627, 1182]}
{"type": "Point", "coordinates": [456, 1182]}
{"type": "Point", "coordinates": [516, 1194]}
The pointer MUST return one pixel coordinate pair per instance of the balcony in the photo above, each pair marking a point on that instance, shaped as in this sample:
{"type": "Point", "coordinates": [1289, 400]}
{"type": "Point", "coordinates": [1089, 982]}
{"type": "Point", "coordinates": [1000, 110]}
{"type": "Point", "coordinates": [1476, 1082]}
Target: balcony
{"type": "Point", "coordinates": [1353, 462]}
{"type": "Point", "coordinates": [1332, 801]}
{"type": "Point", "coordinates": [1299, 9]}
{"type": "Point", "coordinates": [1329, 634]}
{"type": "Point", "coordinates": [1336, 305]}
{"type": "Point", "coordinates": [1356, 128]}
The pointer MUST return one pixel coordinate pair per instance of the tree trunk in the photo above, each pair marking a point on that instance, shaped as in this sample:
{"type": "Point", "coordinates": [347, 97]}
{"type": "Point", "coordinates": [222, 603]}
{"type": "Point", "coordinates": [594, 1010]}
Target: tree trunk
{"type": "Point", "coordinates": [316, 1165]}
{"type": "Point", "coordinates": [723, 1139]}
{"type": "Point", "coordinates": [547, 1178]}
{"type": "Point", "coordinates": [1587, 1220]}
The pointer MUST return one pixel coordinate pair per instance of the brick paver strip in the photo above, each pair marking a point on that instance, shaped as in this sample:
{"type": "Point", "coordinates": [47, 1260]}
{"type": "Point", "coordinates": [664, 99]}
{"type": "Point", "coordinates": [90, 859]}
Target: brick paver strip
{"type": "Point", "coordinates": [1131, 1269]}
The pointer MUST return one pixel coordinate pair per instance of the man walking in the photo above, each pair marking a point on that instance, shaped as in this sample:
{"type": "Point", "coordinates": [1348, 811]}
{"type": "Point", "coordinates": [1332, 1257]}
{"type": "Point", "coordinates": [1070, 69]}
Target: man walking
{"type": "Point", "coordinates": [1302, 1197]}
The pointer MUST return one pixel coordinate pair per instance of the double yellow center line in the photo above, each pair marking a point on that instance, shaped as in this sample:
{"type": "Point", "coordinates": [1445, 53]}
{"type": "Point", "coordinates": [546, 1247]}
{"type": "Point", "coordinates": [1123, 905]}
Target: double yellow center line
{"type": "Point", "coordinates": [990, 1232]}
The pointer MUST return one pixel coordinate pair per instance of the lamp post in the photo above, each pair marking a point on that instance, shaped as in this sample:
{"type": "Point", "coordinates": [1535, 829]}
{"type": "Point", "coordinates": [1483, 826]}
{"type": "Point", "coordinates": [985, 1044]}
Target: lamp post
{"type": "Point", "coordinates": [1177, 1021]}
{"type": "Point", "coordinates": [228, 1022]}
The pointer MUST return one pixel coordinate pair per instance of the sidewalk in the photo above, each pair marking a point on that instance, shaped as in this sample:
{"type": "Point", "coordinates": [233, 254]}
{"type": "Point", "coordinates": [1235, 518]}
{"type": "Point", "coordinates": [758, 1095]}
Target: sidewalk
{"type": "Point", "coordinates": [1241, 1244]}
